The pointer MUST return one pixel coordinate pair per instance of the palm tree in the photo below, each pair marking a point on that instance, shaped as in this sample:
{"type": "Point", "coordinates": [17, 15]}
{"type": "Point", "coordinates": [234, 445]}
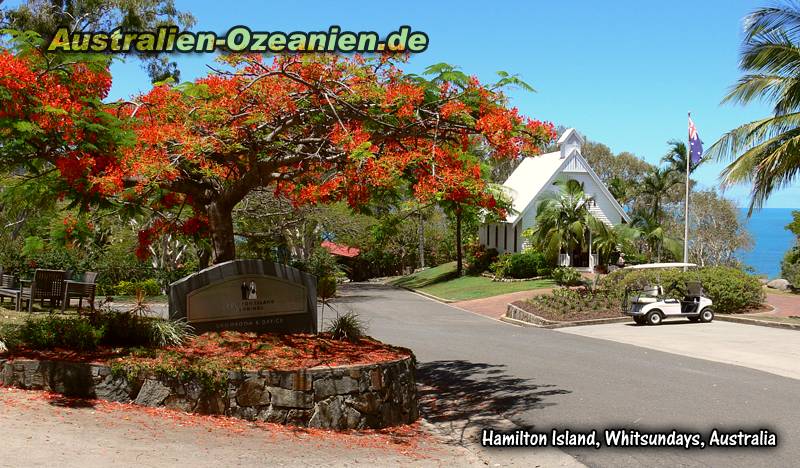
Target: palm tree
{"type": "Point", "coordinates": [655, 185]}
{"type": "Point", "coordinates": [676, 157]}
{"type": "Point", "coordinates": [609, 239]}
{"type": "Point", "coordinates": [654, 234]}
{"type": "Point", "coordinates": [620, 189]}
{"type": "Point", "coordinates": [766, 152]}
{"type": "Point", "coordinates": [562, 219]}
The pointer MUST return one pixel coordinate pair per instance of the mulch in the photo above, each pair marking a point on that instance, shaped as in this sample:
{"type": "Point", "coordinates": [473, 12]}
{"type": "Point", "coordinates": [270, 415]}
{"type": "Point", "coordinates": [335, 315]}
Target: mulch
{"type": "Point", "coordinates": [236, 350]}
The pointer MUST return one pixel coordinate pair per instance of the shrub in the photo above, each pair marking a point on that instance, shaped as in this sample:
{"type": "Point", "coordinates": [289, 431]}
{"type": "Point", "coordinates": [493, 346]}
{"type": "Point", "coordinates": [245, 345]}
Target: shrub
{"type": "Point", "coordinates": [149, 287]}
{"type": "Point", "coordinates": [321, 263]}
{"type": "Point", "coordinates": [60, 332]}
{"type": "Point", "coordinates": [9, 336]}
{"type": "Point", "coordinates": [567, 276]}
{"type": "Point", "coordinates": [347, 327]}
{"type": "Point", "coordinates": [501, 266]}
{"type": "Point", "coordinates": [326, 287]}
{"type": "Point", "coordinates": [731, 290]}
{"type": "Point", "coordinates": [126, 329]}
{"type": "Point", "coordinates": [478, 258]}
{"type": "Point", "coordinates": [121, 329]}
{"type": "Point", "coordinates": [167, 332]}
{"type": "Point", "coordinates": [564, 301]}
{"type": "Point", "coordinates": [527, 264]}
{"type": "Point", "coordinates": [790, 267]}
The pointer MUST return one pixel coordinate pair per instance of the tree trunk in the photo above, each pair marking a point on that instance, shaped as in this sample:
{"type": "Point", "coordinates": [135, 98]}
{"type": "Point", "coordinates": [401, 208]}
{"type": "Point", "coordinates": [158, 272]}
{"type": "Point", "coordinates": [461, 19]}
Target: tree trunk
{"type": "Point", "coordinates": [459, 256]}
{"type": "Point", "coordinates": [203, 256]}
{"type": "Point", "coordinates": [421, 234]}
{"type": "Point", "coordinates": [220, 222]}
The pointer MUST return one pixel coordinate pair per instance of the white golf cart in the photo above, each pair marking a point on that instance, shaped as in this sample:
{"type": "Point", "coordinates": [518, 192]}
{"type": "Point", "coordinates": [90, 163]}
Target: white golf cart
{"type": "Point", "coordinates": [650, 305]}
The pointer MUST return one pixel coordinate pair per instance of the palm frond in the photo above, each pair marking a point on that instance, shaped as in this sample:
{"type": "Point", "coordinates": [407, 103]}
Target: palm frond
{"type": "Point", "coordinates": [751, 134]}
{"type": "Point", "coordinates": [765, 20]}
{"type": "Point", "coordinates": [772, 53]}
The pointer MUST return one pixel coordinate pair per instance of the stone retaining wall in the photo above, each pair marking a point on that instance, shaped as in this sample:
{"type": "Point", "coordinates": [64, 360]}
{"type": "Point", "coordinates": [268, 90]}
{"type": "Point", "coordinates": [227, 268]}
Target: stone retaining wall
{"type": "Point", "coordinates": [348, 397]}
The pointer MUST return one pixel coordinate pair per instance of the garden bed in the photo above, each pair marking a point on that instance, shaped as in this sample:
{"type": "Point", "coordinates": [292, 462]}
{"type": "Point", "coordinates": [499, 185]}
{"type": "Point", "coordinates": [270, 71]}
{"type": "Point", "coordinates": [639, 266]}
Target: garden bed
{"type": "Point", "coordinates": [299, 379]}
{"type": "Point", "coordinates": [568, 305]}
{"type": "Point", "coordinates": [518, 316]}
{"type": "Point", "coordinates": [567, 316]}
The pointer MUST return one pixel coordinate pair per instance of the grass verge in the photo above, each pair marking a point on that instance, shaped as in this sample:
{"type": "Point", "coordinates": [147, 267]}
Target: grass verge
{"type": "Point", "coordinates": [441, 281]}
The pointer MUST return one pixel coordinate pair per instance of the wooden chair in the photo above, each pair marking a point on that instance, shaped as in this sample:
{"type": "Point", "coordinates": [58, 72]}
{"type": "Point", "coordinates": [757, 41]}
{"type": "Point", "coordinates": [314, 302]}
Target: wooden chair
{"type": "Point", "coordinates": [46, 285]}
{"type": "Point", "coordinates": [8, 288]}
{"type": "Point", "coordinates": [85, 288]}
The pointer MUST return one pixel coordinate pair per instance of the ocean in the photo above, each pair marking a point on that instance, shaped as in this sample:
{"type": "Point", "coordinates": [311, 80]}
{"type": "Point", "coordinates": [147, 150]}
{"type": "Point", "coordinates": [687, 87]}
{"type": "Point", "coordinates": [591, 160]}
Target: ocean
{"type": "Point", "coordinates": [770, 239]}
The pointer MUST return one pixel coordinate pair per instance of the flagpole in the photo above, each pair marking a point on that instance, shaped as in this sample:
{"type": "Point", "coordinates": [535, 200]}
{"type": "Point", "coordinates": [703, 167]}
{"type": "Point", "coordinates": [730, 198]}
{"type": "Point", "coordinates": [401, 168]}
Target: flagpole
{"type": "Point", "coordinates": [686, 205]}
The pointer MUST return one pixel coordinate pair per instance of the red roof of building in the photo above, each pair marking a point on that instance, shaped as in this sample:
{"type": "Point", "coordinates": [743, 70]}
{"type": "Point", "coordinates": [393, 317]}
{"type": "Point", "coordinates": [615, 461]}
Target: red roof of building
{"type": "Point", "coordinates": [340, 250]}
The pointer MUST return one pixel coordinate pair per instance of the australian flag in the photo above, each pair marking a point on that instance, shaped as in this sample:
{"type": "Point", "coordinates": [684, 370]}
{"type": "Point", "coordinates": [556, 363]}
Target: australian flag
{"type": "Point", "coordinates": [695, 144]}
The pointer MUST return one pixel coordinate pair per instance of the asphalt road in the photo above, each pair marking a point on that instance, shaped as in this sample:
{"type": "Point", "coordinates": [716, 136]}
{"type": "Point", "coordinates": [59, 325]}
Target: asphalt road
{"type": "Point", "coordinates": [473, 367]}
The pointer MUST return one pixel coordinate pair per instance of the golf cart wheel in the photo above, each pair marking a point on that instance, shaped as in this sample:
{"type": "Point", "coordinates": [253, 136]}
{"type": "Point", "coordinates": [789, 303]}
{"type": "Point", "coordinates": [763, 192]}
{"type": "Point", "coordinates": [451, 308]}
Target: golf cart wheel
{"type": "Point", "coordinates": [640, 320]}
{"type": "Point", "coordinates": [706, 315]}
{"type": "Point", "coordinates": [654, 317]}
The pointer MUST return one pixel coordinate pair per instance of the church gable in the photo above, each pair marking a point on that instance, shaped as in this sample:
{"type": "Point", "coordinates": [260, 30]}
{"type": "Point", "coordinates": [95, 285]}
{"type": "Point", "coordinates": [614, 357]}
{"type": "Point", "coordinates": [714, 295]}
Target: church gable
{"type": "Point", "coordinates": [536, 174]}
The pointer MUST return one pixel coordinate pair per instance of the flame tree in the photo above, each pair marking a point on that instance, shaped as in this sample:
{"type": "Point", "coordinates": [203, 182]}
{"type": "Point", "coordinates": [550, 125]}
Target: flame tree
{"type": "Point", "coordinates": [313, 128]}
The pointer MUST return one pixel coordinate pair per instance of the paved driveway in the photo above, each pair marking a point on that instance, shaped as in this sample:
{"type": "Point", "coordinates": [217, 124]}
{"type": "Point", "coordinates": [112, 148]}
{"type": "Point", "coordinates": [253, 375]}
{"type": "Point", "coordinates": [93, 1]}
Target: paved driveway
{"type": "Point", "coordinates": [761, 348]}
{"type": "Point", "coordinates": [473, 369]}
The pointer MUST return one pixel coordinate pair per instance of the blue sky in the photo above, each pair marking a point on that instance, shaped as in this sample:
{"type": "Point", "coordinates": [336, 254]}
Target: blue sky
{"type": "Point", "coordinates": [624, 73]}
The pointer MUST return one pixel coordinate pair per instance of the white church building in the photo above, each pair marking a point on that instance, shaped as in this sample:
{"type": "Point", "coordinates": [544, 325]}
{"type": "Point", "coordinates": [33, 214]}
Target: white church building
{"type": "Point", "coordinates": [533, 178]}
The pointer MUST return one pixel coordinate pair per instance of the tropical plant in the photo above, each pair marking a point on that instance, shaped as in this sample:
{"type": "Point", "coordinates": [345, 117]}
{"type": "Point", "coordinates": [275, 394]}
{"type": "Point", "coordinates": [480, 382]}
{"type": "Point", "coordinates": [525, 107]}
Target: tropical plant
{"type": "Point", "coordinates": [562, 219]}
{"type": "Point", "coordinates": [347, 327]}
{"type": "Point", "coordinates": [655, 236]}
{"type": "Point", "coordinates": [52, 331]}
{"type": "Point", "coordinates": [314, 129]}
{"type": "Point", "coordinates": [676, 158]}
{"type": "Point", "coordinates": [567, 304]}
{"type": "Point", "coordinates": [766, 152]}
{"type": "Point", "coordinates": [567, 276]}
{"type": "Point", "coordinates": [520, 265]}
{"type": "Point", "coordinates": [790, 266]}
{"type": "Point", "coordinates": [479, 258]}
{"type": "Point", "coordinates": [607, 240]}
{"type": "Point", "coordinates": [168, 332]}
{"type": "Point", "coordinates": [620, 189]}
{"type": "Point", "coordinates": [655, 186]}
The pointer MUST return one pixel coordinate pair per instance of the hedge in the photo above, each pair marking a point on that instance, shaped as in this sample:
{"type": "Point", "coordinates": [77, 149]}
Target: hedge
{"type": "Point", "coordinates": [732, 290]}
{"type": "Point", "coordinates": [522, 265]}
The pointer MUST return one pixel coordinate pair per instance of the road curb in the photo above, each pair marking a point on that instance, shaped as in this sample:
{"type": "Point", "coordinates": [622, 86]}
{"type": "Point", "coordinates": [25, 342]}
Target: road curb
{"type": "Point", "coordinates": [541, 322]}
{"type": "Point", "coordinates": [757, 322]}
{"type": "Point", "coordinates": [421, 293]}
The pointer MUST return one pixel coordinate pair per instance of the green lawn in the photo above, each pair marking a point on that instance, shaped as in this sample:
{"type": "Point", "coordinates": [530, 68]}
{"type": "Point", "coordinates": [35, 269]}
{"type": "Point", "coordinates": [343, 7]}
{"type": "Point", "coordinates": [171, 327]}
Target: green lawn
{"type": "Point", "coordinates": [441, 282]}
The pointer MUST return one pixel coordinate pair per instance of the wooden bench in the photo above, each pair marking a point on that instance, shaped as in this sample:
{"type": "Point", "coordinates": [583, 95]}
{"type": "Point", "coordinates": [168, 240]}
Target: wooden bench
{"type": "Point", "coordinates": [45, 285]}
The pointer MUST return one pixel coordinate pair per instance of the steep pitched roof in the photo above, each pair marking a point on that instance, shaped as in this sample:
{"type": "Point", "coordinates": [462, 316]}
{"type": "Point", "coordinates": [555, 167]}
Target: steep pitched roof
{"type": "Point", "coordinates": [567, 134]}
{"type": "Point", "coordinates": [528, 180]}
{"type": "Point", "coordinates": [536, 173]}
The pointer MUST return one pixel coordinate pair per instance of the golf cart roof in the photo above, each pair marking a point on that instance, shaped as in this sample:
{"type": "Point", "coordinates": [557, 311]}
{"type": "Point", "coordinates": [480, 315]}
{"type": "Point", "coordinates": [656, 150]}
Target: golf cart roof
{"type": "Point", "coordinates": [661, 265]}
